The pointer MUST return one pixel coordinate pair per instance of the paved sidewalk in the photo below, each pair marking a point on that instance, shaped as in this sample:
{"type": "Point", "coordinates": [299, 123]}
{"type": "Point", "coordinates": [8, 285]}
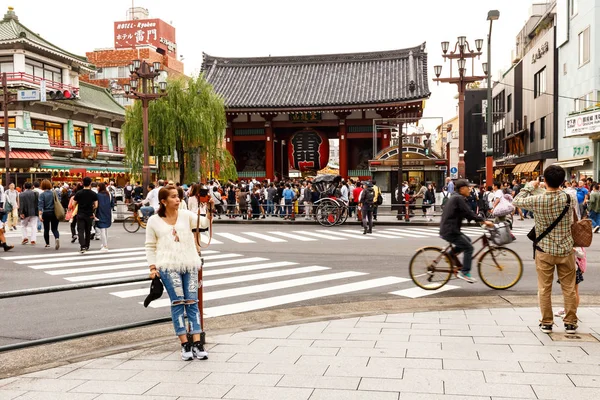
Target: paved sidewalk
{"type": "Point", "coordinates": [465, 354]}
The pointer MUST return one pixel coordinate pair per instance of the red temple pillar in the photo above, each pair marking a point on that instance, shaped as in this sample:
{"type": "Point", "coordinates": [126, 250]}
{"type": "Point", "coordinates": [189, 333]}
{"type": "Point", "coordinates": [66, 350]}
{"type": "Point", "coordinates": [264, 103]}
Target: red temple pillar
{"type": "Point", "coordinates": [269, 156]}
{"type": "Point", "coordinates": [343, 148]}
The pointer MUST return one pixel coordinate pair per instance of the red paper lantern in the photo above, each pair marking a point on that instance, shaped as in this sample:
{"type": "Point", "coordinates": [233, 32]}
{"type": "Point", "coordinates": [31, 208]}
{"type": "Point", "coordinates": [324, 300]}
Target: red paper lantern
{"type": "Point", "coordinates": [308, 150]}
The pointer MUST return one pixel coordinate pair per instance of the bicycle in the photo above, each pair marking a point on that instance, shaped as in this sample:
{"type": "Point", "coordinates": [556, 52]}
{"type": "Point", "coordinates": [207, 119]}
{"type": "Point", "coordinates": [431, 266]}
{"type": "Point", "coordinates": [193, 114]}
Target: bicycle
{"type": "Point", "coordinates": [133, 223]}
{"type": "Point", "coordinates": [499, 267]}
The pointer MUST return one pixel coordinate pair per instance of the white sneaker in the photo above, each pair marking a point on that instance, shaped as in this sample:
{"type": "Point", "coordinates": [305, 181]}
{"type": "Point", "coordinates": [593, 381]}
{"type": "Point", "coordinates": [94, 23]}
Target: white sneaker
{"type": "Point", "coordinates": [466, 277]}
{"type": "Point", "coordinates": [104, 249]}
{"type": "Point", "coordinates": [186, 352]}
{"type": "Point", "coordinates": [596, 229]}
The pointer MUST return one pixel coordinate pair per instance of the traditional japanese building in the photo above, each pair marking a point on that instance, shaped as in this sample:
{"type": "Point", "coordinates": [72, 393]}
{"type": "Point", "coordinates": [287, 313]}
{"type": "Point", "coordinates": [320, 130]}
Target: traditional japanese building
{"type": "Point", "coordinates": [281, 111]}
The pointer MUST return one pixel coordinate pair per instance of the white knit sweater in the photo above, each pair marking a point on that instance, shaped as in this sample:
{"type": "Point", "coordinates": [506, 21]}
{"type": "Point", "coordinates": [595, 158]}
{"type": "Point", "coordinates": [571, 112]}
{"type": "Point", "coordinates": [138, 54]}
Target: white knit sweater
{"type": "Point", "coordinates": [164, 251]}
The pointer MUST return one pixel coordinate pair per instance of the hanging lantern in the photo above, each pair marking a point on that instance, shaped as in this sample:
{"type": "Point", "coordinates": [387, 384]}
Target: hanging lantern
{"type": "Point", "coordinates": [308, 150]}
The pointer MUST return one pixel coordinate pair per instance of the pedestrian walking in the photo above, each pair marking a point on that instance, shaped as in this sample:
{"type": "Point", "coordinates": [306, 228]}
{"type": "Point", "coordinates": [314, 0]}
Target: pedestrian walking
{"type": "Point", "coordinates": [86, 201]}
{"type": "Point", "coordinates": [106, 202]}
{"type": "Point", "coordinates": [555, 250]}
{"type": "Point", "coordinates": [171, 254]}
{"type": "Point", "coordinates": [288, 197]}
{"type": "Point", "coordinates": [28, 210]}
{"type": "Point", "coordinates": [47, 215]}
{"type": "Point", "coordinates": [594, 207]}
{"type": "Point", "coordinates": [366, 202]}
{"type": "Point", "coordinates": [429, 201]}
{"type": "Point", "coordinates": [11, 205]}
{"type": "Point", "coordinates": [71, 214]}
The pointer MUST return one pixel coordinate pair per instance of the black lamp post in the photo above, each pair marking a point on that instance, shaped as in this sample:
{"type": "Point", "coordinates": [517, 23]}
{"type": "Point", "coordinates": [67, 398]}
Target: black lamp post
{"type": "Point", "coordinates": [149, 89]}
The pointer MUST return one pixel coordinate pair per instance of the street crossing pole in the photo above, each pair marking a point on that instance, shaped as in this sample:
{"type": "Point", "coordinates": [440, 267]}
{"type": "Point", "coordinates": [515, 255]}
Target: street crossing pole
{"type": "Point", "coordinates": [6, 143]}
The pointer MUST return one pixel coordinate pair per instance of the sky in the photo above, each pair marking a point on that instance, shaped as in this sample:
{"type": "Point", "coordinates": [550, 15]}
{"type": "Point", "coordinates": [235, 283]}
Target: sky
{"type": "Point", "coordinates": [249, 28]}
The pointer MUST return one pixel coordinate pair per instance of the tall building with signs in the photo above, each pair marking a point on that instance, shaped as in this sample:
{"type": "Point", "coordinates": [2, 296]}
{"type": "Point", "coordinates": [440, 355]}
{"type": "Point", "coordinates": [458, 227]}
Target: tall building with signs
{"type": "Point", "coordinates": [137, 37]}
{"type": "Point", "coordinates": [62, 129]}
{"type": "Point", "coordinates": [281, 111]}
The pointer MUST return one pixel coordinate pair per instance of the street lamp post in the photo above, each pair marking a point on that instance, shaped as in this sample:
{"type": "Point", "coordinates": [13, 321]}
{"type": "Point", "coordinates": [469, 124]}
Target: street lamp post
{"type": "Point", "coordinates": [461, 53]}
{"type": "Point", "coordinates": [144, 86]}
{"type": "Point", "coordinates": [489, 159]}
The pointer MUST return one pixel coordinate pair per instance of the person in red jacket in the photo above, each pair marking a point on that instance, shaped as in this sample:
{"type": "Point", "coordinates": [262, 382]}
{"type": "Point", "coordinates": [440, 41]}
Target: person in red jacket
{"type": "Point", "coordinates": [356, 194]}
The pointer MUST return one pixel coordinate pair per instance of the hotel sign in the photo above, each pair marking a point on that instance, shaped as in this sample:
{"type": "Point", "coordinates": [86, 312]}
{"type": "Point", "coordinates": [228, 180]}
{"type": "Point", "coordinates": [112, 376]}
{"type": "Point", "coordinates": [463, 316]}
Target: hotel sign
{"type": "Point", "coordinates": [141, 32]}
{"type": "Point", "coordinates": [582, 124]}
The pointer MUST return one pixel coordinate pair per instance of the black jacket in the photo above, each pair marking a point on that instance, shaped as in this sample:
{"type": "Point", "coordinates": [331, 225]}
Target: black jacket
{"type": "Point", "coordinates": [28, 203]}
{"type": "Point", "coordinates": [455, 211]}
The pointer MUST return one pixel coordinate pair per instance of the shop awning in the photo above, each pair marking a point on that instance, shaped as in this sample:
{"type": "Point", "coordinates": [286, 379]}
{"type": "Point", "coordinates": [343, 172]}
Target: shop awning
{"type": "Point", "coordinates": [27, 154]}
{"type": "Point", "coordinates": [530, 167]}
{"type": "Point", "coordinates": [519, 168]}
{"type": "Point", "coordinates": [576, 162]}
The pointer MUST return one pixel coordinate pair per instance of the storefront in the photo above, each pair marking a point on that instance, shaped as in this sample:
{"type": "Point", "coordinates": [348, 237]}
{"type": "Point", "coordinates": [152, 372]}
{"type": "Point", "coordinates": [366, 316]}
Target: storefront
{"type": "Point", "coordinates": [584, 129]}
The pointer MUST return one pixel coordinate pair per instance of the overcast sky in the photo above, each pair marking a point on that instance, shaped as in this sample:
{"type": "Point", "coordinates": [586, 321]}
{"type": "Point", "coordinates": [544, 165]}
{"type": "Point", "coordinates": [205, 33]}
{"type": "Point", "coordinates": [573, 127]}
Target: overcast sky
{"type": "Point", "coordinates": [247, 28]}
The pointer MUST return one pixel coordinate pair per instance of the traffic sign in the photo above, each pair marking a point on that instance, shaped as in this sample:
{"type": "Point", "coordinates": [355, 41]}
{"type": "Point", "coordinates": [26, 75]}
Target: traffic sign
{"type": "Point", "coordinates": [28, 95]}
{"type": "Point", "coordinates": [43, 90]}
{"type": "Point", "coordinates": [453, 170]}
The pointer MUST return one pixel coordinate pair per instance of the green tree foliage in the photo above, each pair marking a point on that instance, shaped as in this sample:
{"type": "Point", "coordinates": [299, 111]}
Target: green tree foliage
{"type": "Point", "coordinates": [190, 118]}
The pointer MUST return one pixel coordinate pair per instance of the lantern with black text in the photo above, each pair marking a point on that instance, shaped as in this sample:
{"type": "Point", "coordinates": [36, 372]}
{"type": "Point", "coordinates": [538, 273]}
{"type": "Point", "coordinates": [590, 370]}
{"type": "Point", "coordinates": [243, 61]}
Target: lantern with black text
{"type": "Point", "coordinates": [308, 151]}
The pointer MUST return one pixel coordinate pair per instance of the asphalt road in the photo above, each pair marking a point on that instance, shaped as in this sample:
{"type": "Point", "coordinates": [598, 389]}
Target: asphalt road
{"type": "Point", "coordinates": [248, 267]}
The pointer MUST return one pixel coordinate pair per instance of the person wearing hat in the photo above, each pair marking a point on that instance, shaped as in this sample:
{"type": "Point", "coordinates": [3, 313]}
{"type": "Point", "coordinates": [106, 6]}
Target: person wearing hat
{"type": "Point", "coordinates": [456, 209]}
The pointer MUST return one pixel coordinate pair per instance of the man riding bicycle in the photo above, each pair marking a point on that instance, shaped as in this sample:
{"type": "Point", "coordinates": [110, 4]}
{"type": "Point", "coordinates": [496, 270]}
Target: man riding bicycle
{"type": "Point", "coordinates": [456, 209]}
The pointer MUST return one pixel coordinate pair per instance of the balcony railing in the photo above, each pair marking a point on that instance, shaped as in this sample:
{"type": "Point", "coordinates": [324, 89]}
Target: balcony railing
{"type": "Point", "coordinates": [66, 144]}
{"type": "Point", "coordinates": [20, 78]}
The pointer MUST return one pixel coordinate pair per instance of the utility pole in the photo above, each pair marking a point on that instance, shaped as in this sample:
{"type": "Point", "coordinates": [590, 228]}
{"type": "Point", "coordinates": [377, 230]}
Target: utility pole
{"type": "Point", "coordinates": [6, 131]}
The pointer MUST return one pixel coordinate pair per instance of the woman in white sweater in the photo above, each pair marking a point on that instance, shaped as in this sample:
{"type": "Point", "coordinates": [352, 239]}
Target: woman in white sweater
{"type": "Point", "coordinates": [172, 255]}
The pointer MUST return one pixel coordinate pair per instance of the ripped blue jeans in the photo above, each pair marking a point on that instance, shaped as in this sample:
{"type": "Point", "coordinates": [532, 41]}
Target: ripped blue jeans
{"type": "Point", "coordinates": [183, 292]}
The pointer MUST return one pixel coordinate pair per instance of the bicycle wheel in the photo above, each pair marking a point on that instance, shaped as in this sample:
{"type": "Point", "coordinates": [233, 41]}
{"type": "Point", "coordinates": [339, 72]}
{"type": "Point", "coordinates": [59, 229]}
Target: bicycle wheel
{"type": "Point", "coordinates": [500, 268]}
{"type": "Point", "coordinates": [343, 215]}
{"type": "Point", "coordinates": [429, 268]}
{"type": "Point", "coordinates": [327, 213]}
{"type": "Point", "coordinates": [131, 224]}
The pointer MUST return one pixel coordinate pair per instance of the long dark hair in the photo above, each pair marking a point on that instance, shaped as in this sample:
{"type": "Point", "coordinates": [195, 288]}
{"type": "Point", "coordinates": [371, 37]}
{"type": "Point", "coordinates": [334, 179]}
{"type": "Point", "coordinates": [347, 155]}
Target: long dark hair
{"type": "Point", "coordinates": [163, 194]}
{"type": "Point", "coordinates": [102, 188]}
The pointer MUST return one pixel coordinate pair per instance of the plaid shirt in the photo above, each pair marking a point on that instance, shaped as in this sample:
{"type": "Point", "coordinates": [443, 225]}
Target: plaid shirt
{"type": "Point", "coordinates": [546, 208]}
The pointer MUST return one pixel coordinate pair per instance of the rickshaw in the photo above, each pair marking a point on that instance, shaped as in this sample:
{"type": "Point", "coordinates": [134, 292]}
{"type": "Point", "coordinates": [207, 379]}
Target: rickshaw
{"type": "Point", "coordinates": [330, 209]}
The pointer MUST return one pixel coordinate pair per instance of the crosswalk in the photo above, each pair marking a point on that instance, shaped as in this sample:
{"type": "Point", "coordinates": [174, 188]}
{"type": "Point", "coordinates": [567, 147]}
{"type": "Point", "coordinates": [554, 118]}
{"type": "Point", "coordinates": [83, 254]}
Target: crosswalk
{"type": "Point", "coordinates": [233, 282]}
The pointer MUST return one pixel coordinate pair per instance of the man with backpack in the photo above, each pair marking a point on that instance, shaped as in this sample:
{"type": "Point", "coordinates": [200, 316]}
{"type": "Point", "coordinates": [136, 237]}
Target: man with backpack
{"type": "Point", "coordinates": [367, 204]}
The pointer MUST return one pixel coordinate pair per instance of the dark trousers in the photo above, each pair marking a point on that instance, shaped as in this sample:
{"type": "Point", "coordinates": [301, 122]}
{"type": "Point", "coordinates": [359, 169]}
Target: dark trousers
{"type": "Point", "coordinates": [367, 217]}
{"type": "Point", "coordinates": [84, 228]}
{"type": "Point", "coordinates": [50, 223]}
{"type": "Point", "coordinates": [462, 244]}
{"type": "Point", "coordinates": [73, 226]}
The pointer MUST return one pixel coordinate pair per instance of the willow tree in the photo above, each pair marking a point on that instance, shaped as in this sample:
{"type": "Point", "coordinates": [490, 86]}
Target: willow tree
{"type": "Point", "coordinates": [188, 121]}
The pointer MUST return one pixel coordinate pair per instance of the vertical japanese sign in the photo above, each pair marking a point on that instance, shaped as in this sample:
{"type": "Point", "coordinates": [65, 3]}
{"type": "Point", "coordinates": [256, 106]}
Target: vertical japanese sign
{"type": "Point", "coordinates": [91, 137]}
{"type": "Point", "coordinates": [108, 139]}
{"type": "Point", "coordinates": [71, 132]}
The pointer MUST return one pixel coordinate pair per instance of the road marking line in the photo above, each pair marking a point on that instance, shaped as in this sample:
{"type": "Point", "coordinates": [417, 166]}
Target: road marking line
{"type": "Point", "coordinates": [402, 235]}
{"type": "Point", "coordinates": [81, 256]}
{"type": "Point", "coordinates": [301, 296]}
{"type": "Point", "coordinates": [320, 236]}
{"type": "Point", "coordinates": [268, 238]}
{"type": "Point", "coordinates": [226, 281]}
{"type": "Point", "coordinates": [204, 239]}
{"type": "Point", "coordinates": [245, 268]}
{"type": "Point", "coordinates": [405, 232]}
{"type": "Point", "coordinates": [350, 235]}
{"type": "Point", "coordinates": [381, 235]}
{"type": "Point", "coordinates": [47, 256]}
{"type": "Point", "coordinates": [266, 287]}
{"type": "Point", "coordinates": [235, 238]}
{"type": "Point", "coordinates": [292, 236]}
{"type": "Point", "coordinates": [238, 261]}
{"type": "Point", "coordinates": [142, 273]}
{"type": "Point", "coordinates": [96, 269]}
{"type": "Point", "coordinates": [122, 284]}
{"type": "Point", "coordinates": [425, 232]}
{"type": "Point", "coordinates": [82, 263]}
{"type": "Point", "coordinates": [416, 292]}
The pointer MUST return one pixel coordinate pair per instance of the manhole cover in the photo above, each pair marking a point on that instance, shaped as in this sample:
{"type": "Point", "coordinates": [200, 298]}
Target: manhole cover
{"type": "Point", "coordinates": [578, 337]}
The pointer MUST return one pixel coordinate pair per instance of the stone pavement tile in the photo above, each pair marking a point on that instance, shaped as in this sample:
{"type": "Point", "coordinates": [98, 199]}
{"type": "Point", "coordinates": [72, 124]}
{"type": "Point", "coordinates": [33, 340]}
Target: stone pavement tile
{"type": "Point", "coordinates": [320, 382]}
{"type": "Point", "coordinates": [586, 380]}
{"type": "Point", "coordinates": [478, 365]}
{"type": "Point", "coordinates": [230, 339]}
{"type": "Point", "coordinates": [420, 396]}
{"type": "Point", "coordinates": [478, 311]}
{"type": "Point", "coordinates": [100, 374]}
{"type": "Point", "coordinates": [43, 384]}
{"type": "Point", "coordinates": [127, 355]}
{"type": "Point", "coordinates": [189, 389]}
{"type": "Point", "coordinates": [358, 331]}
{"type": "Point", "coordinates": [556, 368]}
{"type": "Point", "coordinates": [154, 354]}
{"type": "Point", "coordinates": [280, 332]}
{"type": "Point", "coordinates": [489, 389]}
{"type": "Point", "coordinates": [307, 351]}
{"type": "Point", "coordinates": [411, 331]}
{"type": "Point", "coordinates": [10, 394]}
{"type": "Point", "coordinates": [289, 369]}
{"type": "Point", "coordinates": [525, 340]}
{"type": "Point", "coordinates": [391, 325]}
{"type": "Point", "coordinates": [329, 360]}
{"type": "Point", "coordinates": [260, 348]}
{"type": "Point", "coordinates": [391, 352]}
{"type": "Point", "coordinates": [554, 392]}
{"type": "Point", "coordinates": [55, 396]}
{"type": "Point", "coordinates": [330, 394]}
{"type": "Point", "coordinates": [216, 378]}
{"type": "Point", "coordinates": [217, 366]}
{"type": "Point", "coordinates": [169, 376]}
{"type": "Point", "coordinates": [443, 354]}
{"type": "Point", "coordinates": [439, 314]}
{"type": "Point", "coordinates": [497, 348]}
{"type": "Point", "coordinates": [104, 363]}
{"type": "Point", "coordinates": [373, 318]}
{"type": "Point", "coordinates": [320, 336]}
{"type": "Point", "coordinates": [386, 344]}
{"type": "Point", "coordinates": [439, 327]}
{"type": "Point", "coordinates": [268, 393]}
{"type": "Point", "coordinates": [346, 322]}
{"type": "Point", "coordinates": [52, 373]}
{"type": "Point", "coordinates": [6, 381]}
{"type": "Point", "coordinates": [423, 384]}
{"type": "Point", "coordinates": [113, 387]}
{"type": "Point", "coordinates": [441, 339]}
{"type": "Point", "coordinates": [265, 358]}
{"type": "Point", "coordinates": [366, 336]}
{"type": "Point", "coordinates": [367, 344]}
{"type": "Point", "coordinates": [176, 356]}
{"type": "Point", "coordinates": [491, 355]}
{"type": "Point", "coordinates": [365, 372]}
{"type": "Point", "coordinates": [471, 321]}
{"type": "Point", "coordinates": [136, 397]}
{"type": "Point", "coordinates": [312, 327]}
{"type": "Point", "coordinates": [152, 365]}
{"type": "Point", "coordinates": [443, 374]}
{"type": "Point", "coordinates": [575, 351]}
{"type": "Point", "coordinates": [481, 331]}
{"type": "Point", "coordinates": [575, 359]}
{"type": "Point", "coordinates": [527, 378]}
{"type": "Point", "coordinates": [412, 319]}
{"type": "Point", "coordinates": [285, 342]}
{"type": "Point", "coordinates": [427, 363]}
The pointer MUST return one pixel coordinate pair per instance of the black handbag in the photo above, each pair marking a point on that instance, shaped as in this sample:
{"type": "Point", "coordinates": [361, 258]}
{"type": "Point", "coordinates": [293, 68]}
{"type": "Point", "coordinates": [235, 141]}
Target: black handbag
{"type": "Point", "coordinates": [532, 235]}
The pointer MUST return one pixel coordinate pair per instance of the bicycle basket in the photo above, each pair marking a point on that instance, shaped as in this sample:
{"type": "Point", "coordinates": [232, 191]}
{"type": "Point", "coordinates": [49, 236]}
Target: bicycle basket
{"type": "Point", "coordinates": [131, 207]}
{"type": "Point", "coordinates": [501, 234]}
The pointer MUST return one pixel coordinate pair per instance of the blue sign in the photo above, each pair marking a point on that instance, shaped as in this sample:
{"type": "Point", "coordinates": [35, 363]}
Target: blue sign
{"type": "Point", "coordinates": [453, 170]}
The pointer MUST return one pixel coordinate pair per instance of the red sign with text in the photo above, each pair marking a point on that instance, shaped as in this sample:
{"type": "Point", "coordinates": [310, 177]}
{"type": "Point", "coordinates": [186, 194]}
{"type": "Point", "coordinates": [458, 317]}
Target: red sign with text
{"type": "Point", "coordinates": [140, 32]}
